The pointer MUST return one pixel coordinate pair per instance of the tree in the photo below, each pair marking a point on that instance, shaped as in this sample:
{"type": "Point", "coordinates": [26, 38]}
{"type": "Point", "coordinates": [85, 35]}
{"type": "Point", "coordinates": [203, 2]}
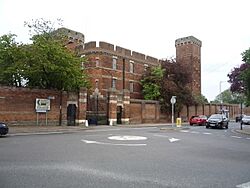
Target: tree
{"type": "Point", "coordinates": [240, 77]}
{"type": "Point", "coordinates": [50, 64]}
{"type": "Point", "coordinates": [46, 63]}
{"type": "Point", "coordinates": [229, 97]}
{"type": "Point", "coordinates": [200, 99]}
{"type": "Point", "coordinates": [169, 79]}
{"type": "Point", "coordinates": [152, 82]}
{"type": "Point", "coordinates": [10, 65]}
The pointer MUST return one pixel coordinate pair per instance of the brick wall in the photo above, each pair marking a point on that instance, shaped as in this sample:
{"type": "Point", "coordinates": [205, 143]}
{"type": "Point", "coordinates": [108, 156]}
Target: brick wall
{"type": "Point", "coordinates": [17, 105]}
{"type": "Point", "coordinates": [144, 111]}
{"type": "Point", "coordinates": [208, 109]}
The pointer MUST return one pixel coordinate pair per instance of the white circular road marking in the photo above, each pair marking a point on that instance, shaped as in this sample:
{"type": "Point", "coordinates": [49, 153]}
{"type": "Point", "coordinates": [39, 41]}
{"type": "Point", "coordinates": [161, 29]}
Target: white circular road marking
{"type": "Point", "coordinates": [127, 138]}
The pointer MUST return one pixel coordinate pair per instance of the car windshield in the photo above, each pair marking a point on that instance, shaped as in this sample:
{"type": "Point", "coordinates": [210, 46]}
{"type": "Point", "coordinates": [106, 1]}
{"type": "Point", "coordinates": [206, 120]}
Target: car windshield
{"type": "Point", "coordinates": [216, 116]}
{"type": "Point", "coordinates": [246, 117]}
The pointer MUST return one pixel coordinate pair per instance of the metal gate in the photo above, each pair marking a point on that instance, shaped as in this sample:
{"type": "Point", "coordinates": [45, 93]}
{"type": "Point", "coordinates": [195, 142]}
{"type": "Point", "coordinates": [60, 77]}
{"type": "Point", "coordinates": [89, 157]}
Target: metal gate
{"type": "Point", "coordinates": [97, 109]}
{"type": "Point", "coordinates": [119, 115]}
{"type": "Point", "coordinates": [71, 115]}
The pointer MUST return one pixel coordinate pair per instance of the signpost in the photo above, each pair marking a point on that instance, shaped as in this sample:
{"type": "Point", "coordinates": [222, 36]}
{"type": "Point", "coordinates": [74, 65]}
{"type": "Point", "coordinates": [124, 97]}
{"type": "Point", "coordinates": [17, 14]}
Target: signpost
{"type": "Point", "coordinates": [173, 101]}
{"type": "Point", "coordinates": [42, 106]}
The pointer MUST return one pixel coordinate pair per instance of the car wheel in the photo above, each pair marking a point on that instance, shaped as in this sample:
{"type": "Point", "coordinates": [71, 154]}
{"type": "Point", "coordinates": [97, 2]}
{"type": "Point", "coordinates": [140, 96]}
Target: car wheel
{"type": "Point", "coordinates": [207, 126]}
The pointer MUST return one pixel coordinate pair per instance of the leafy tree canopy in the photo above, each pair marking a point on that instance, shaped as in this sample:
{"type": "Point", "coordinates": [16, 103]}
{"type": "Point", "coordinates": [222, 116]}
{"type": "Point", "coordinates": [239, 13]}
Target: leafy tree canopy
{"type": "Point", "coordinates": [229, 97]}
{"type": "Point", "coordinates": [240, 77]}
{"type": "Point", "coordinates": [46, 63]}
{"type": "Point", "coordinates": [10, 61]}
{"type": "Point", "coordinates": [169, 79]}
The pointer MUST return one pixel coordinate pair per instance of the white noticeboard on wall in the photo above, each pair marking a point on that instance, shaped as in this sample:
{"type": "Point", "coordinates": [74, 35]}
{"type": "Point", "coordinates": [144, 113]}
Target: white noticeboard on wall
{"type": "Point", "coordinates": [42, 105]}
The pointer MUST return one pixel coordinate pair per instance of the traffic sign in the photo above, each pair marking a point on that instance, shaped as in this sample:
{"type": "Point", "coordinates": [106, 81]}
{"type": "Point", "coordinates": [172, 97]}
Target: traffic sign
{"type": "Point", "coordinates": [173, 100]}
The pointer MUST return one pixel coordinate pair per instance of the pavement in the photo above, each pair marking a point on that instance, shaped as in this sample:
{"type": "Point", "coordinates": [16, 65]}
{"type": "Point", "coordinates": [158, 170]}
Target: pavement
{"type": "Point", "coordinates": [38, 129]}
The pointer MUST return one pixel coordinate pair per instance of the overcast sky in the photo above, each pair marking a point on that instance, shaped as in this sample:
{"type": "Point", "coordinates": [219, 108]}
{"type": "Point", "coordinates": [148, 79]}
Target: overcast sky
{"type": "Point", "coordinates": [149, 27]}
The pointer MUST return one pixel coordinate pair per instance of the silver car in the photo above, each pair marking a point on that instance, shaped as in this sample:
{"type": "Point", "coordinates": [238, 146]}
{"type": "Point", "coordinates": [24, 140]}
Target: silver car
{"type": "Point", "coordinates": [245, 120]}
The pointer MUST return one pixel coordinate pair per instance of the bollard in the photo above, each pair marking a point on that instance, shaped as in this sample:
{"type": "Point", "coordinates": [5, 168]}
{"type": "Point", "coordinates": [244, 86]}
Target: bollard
{"type": "Point", "coordinates": [178, 122]}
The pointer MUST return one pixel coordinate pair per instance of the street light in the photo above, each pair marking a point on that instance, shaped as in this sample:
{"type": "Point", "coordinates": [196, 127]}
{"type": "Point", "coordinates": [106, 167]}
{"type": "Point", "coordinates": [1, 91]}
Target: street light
{"type": "Point", "coordinates": [173, 101]}
{"type": "Point", "coordinates": [221, 101]}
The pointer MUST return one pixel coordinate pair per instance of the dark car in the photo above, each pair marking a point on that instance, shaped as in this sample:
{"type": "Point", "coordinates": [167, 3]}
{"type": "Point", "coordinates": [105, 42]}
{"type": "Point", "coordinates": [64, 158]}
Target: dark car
{"type": "Point", "coordinates": [245, 120]}
{"type": "Point", "coordinates": [198, 120]}
{"type": "Point", "coordinates": [217, 121]}
{"type": "Point", "coordinates": [239, 117]}
{"type": "Point", "coordinates": [3, 128]}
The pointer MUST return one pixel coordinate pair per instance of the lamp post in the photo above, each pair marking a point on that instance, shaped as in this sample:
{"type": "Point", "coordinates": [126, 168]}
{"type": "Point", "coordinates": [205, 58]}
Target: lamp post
{"type": "Point", "coordinates": [173, 101]}
{"type": "Point", "coordinates": [221, 101]}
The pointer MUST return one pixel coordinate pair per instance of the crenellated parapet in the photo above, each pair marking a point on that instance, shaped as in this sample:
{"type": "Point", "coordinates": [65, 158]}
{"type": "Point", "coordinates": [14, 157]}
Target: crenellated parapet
{"type": "Point", "coordinates": [188, 40]}
{"type": "Point", "coordinates": [111, 49]}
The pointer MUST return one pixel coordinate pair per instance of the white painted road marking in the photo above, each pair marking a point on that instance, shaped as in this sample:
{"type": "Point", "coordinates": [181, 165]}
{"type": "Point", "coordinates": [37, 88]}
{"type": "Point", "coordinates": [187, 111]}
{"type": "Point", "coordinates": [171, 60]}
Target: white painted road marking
{"type": "Point", "coordinates": [173, 139]}
{"type": "Point", "coordinates": [244, 185]}
{"type": "Point", "coordinates": [104, 143]}
{"type": "Point", "coordinates": [170, 139]}
{"type": "Point", "coordinates": [127, 138]}
{"type": "Point", "coordinates": [184, 131]}
{"type": "Point", "coordinates": [194, 132]}
{"type": "Point", "coordinates": [207, 133]}
{"type": "Point", "coordinates": [159, 135]}
{"type": "Point", "coordinates": [236, 137]}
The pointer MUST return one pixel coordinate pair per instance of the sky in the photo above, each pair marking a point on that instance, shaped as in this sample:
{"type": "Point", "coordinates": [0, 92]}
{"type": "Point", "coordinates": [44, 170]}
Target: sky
{"type": "Point", "coordinates": [149, 27]}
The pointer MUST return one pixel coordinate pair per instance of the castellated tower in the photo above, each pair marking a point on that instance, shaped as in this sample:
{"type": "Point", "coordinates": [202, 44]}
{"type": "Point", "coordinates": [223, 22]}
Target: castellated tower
{"type": "Point", "coordinates": [188, 51]}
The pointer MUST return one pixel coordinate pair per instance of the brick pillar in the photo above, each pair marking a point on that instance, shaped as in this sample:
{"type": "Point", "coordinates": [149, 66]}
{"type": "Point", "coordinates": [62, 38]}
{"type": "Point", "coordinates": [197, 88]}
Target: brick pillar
{"type": "Point", "coordinates": [143, 113]}
{"type": "Point", "coordinates": [112, 107]}
{"type": "Point", "coordinates": [157, 111]}
{"type": "Point", "coordinates": [82, 107]}
{"type": "Point", "coordinates": [126, 107]}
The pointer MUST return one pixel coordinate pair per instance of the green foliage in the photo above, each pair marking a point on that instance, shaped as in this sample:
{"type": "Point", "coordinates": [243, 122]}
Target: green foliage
{"type": "Point", "coordinates": [240, 77]}
{"type": "Point", "coordinates": [10, 65]}
{"type": "Point", "coordinates": [151, 83]}
{"type": "Point", "coordinates": [228, 97]}
{"type": "Point", "coordinates": [46, 63]}
{"type": "Point", "coordinates": [200, 99]}
{"type": "Point", "coordinates": [163, 82]}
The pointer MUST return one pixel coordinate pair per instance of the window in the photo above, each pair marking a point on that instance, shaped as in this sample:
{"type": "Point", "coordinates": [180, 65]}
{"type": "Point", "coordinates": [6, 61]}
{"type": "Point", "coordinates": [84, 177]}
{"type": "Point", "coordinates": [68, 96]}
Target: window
{"type": "Point", "coordinates": [145, 67]}
{"type": "Point", "coordinates": [97, 62]}
{"type": "Point", "coordinates": [114, 83]}
{"type": "Point", "coordinates": [131, 66]}
{"type": "Point", "coordinates": [114, 63]}
{"type": "Point", "coordinates": [131, 86]}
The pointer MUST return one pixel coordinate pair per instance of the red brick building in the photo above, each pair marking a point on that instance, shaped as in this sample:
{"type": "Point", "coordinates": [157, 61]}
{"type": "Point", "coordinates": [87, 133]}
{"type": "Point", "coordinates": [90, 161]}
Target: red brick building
{"type": "Point", "coordinates": [116, 94]}
{"type": "Point", "coordinates": [114, 70]}
{"type": "Point", "coordinates": [111, 66]}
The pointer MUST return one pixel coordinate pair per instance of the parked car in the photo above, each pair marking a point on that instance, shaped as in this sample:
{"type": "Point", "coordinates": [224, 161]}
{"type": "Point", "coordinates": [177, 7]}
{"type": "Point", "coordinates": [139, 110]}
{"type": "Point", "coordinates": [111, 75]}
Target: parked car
{"type": "Point", "coordinates": [239, 117]}
{"type": "Point", "coordinates": [245, 120]}
{"type": "Point", "coordinates": [217, 121]}
{"type": "Point", "coordinates": [198, 120]}
{"type": "Point", "coordinates": [3, 128]}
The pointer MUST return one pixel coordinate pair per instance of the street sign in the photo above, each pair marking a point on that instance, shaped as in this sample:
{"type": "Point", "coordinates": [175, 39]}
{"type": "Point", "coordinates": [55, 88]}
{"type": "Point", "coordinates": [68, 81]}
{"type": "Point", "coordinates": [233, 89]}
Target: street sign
{"type": "Point", "coordinates": [173, 100]}
{"type": "Point", "coordinates": [42, 105]}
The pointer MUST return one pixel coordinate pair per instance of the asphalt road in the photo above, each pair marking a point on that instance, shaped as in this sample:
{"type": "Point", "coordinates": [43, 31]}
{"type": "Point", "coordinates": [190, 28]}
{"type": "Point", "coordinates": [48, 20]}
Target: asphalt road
{"type": "Point", "coordinates": [127, 157]}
